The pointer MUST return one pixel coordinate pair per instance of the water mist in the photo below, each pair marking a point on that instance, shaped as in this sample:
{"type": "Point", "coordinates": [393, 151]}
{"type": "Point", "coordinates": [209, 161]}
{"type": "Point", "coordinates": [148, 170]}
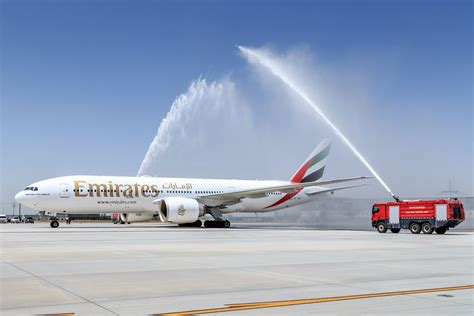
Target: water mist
{"type": "Point", "coordinates": [255, 56]}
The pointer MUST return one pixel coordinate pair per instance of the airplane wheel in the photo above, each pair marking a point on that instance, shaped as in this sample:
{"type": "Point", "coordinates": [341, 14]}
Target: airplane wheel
{"type": "Point", "coordinates": [217, 224]}
{"type": "Point", "coordinates": [54, 224]}
{"type": "Point", "coordinates": [197, 223]}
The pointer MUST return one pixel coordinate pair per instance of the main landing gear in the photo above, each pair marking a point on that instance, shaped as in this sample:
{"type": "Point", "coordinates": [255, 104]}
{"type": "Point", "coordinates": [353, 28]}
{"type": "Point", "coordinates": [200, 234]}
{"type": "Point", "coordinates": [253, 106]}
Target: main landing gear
{"type": "Point", "coordinates": [217, 224]}
{"type": "Point", "coordinates": [197, 223]}
{"type": "Point", "coordinates": [221, 223]}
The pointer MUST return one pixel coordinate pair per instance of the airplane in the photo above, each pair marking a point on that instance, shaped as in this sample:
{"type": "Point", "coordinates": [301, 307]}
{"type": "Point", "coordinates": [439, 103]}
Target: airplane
{"type": "Point", "coordinates": [180, 201]}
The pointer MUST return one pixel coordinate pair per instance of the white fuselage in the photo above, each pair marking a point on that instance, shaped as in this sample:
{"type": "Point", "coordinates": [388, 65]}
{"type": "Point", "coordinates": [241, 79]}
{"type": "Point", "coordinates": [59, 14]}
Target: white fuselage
{"type": "Point", "coordinates": [111, 194]}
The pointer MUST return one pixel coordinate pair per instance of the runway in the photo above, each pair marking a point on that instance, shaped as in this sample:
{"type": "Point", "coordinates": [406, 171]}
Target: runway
{"type": "Point", "coordinates": [139, 269]}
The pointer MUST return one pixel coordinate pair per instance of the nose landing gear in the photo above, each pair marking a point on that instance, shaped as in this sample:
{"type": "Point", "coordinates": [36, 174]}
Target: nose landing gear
{"type": "Point", "coordinates": [54, 223]}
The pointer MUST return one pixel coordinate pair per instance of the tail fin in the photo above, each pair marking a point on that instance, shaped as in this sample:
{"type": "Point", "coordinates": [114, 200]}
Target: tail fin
{"type": "Point", "coordinates": [313, 168]}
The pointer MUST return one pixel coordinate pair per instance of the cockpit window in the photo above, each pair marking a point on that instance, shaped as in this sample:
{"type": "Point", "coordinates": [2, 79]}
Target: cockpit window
{"type": "Point", "coordinates": [36, 189]}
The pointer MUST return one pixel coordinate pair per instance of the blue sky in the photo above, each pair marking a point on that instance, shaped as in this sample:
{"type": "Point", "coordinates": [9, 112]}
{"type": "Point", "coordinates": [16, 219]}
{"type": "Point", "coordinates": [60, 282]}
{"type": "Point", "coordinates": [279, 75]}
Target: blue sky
{"type": "Point", "coordinates": [86, 83]}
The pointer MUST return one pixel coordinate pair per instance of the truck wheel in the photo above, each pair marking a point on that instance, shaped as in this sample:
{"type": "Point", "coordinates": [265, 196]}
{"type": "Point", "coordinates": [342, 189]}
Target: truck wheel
{"type": "Point", "coordinates": [395, 230]}
{"type": "Point", "coordinates": [381, 227]}
{"type": "Point", "coordinates": [427, 228]}
{"type": "Point", "coordinates": [415, 228]}
{"type": "Point", "coordinates": [54, 224]}
{"type": "Point", "coordinates": [440, 230]}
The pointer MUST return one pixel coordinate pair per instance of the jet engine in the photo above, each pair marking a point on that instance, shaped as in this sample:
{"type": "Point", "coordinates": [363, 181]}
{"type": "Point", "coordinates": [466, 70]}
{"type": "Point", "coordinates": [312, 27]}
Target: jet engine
{"type": "Point", "coordinates": [180, 210]}
{"type": "Point", "coordinates": [136, 217]}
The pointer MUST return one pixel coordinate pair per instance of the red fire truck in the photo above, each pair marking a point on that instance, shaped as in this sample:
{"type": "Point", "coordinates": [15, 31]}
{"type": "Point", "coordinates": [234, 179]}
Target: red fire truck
{"type": "Point", "coordinates": [418, 216]}
{"type": "Point", "coordinates": [115, 218]}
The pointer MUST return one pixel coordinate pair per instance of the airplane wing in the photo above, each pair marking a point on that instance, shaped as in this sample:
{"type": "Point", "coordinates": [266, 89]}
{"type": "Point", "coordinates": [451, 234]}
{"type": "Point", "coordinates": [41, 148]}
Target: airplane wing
{"type": "Point", "coordinates": [328, 190]}
{"type": "Point", "coordinates": [230, 198]}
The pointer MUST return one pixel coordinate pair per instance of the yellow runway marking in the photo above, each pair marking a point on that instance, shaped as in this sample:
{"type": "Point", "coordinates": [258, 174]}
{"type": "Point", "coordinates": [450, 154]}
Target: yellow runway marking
{"type": "Point", "coordinates": [258, 305]}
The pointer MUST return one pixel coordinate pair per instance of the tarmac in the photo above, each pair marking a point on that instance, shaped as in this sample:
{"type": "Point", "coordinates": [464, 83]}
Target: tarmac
{"type": "Point", "coordinates": [140, 269]}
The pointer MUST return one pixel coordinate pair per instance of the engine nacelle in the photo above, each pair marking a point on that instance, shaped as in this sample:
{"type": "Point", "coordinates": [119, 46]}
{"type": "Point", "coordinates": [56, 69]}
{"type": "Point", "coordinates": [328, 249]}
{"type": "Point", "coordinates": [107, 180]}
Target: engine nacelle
{"type": "Point", "coordinates": [180, 210]}
{"type": "Point", "coordinates": [136, 217]}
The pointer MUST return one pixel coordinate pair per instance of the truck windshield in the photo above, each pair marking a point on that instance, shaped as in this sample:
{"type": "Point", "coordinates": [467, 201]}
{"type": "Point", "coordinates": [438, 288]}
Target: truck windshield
{"type": "Point", "coordinates": [457, 212]}
{"type": "Point", "coordinates": [375, 209]}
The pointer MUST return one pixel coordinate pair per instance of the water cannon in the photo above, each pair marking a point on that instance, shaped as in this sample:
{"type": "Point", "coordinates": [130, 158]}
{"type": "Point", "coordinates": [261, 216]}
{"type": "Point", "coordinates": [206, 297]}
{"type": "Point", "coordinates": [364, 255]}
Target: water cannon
{"type": "Point", "coordinates": [395, 197]}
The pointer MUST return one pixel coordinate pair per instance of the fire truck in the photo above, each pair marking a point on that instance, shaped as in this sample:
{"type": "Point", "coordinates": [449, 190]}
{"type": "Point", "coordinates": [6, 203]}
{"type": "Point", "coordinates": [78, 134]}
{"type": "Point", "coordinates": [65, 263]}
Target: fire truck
{"type": "Point", "coordinates": [418, 216]}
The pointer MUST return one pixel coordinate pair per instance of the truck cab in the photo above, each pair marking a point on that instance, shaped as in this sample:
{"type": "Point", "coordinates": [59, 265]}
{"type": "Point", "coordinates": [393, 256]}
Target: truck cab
{"type": "Point", "coordinates": [418, 216]}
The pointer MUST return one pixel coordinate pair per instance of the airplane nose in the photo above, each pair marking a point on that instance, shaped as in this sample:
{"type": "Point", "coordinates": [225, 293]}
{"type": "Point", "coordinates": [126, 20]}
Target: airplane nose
{"type": "Point", "coordinates": [20, 197]}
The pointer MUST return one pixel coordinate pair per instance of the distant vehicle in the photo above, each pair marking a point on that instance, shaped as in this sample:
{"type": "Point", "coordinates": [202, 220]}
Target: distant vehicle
{"type": "Point", "coordinates": [115, 218]}
{"type": "Point", "coordinates": [29, 220]}
{"type": "Point", "coordinates": [418, 216]}
{"type": "Point", "coordinates": [15, 220]}
{"type": "Point", "coordinates": [3, 219]}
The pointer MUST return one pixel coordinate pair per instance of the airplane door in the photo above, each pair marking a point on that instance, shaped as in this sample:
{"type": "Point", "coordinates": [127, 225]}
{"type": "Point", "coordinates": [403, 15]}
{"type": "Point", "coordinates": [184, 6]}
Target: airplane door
{"type": "Point", "coordinates": [64, 190]}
